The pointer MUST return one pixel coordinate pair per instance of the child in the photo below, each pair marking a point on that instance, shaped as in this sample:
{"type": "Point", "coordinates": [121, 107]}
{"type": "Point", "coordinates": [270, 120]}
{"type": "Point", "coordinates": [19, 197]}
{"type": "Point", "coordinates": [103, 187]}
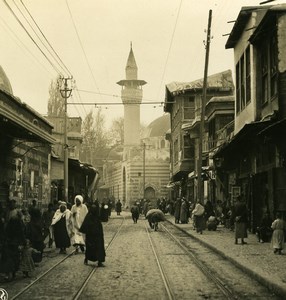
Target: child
{"type": "Point", "coordinates": [27, 264]}
{"type": "Point", "coordinates": [278, 227]}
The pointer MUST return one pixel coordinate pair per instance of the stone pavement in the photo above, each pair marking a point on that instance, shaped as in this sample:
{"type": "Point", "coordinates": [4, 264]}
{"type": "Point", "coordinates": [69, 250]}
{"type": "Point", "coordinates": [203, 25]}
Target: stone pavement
{"type": "Point", "coordinates": [256, 259]}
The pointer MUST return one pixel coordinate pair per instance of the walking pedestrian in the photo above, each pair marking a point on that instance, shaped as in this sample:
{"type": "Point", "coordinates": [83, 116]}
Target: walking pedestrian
{"type": "Point", "coordinates": [62, 227]}
{"type": "Point", "coordinates": [78, 212]}
{"type": "Point", "coordinates": [34, 230]}
{"type": "Point", "coordinates": [94, 237]}
{"type": "Point", "coordinates": [135, 212]}
{"type": "Point", "coordinates": [118, 207]}
{"type": "Point", "coordinates": [177, 210]}
{"type": "Point", "coordinates": [47, 221]}
{"type": "Point", "coordinates": [184, 211]}
{"type": "Point", "coordinates": [104, 212]}
{"type": "Point", "coordinates": [14, 238]}
{"type": "Point", "coordinates": [198, 217]}
{"type": "Point", "coordinates": [278, 237]}
{"type": "Point", "coordinates": [240, 216]}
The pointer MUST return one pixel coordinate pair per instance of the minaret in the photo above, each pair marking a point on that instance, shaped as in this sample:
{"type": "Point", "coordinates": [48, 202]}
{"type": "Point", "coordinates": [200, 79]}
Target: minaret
{"type": "Point", "coordinates": [131, 95]}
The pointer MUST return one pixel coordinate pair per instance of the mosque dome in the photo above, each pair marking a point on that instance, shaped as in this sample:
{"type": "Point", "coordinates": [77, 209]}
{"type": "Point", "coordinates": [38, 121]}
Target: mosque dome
{"type": "Point", "coordinates": [158, 127]}
{"type": "Point", "coordinates": [5, 82]}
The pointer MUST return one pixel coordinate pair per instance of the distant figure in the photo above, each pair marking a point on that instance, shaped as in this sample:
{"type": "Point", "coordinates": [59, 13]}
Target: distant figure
{"type": "Point", "coordinates": [62, 227]}
{"type": "Point", "coordinates": [34, 231]}
{"type": "Point", "coordinates": [78, 213]}
{"type": "Point", "coordinates": [118, 207]}
{"type": "Point", "coordinates": [264, 230]}
{"type": "Point", "coordinates": [135, 213]}
{"type": "Point", "coordinates": [34, 207]}
{"type": "Point", "coordinates": [240, 218]}
{"type": "Point", "coordinates": [104, 211]}
{"type": "Point", "coordinates": [93, 230]}
{"type": "Point", "coordinates": [27, 264]}
{"type": "Point", "coordinates": [184, 212]}
{"type": "Point", "coordinates": [278, 237]}
{"type": "Point", "coordinates": [47, 221]}
{"type": "Point", "coordinates": [198, 217]}
{"type": "Point", "coordinates": [177, 210]}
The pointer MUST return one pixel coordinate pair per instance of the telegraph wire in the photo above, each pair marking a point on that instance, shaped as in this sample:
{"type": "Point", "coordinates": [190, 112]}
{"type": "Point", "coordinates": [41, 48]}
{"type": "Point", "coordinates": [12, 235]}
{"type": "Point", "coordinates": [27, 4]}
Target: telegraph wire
{"type": "Point", "coordinates": [110, 95]}
{"type": "Point", "coordinates": [8, 28]}
{"type": "Point", "coordinates": [27, 10]}
{"type": "Point", "coordinates": [28, 22]}
{"type": "Point", "coordinates": [21, 24]}
{"type": "Point", "coordinates": [79, 96]}
{"type": "Point", "coordinates": [81, 45]}
{"type": "Point", "coordinates": [169, 50]}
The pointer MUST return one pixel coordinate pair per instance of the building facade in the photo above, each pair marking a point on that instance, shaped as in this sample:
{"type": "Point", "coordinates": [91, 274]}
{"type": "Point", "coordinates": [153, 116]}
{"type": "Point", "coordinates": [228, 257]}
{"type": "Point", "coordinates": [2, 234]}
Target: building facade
{"type": "Point", "coordinates": [183, 103]}
{"type": "Point", "coordinates": [25, 143]}
{"type": "Point", "coordinates": [254, 157]}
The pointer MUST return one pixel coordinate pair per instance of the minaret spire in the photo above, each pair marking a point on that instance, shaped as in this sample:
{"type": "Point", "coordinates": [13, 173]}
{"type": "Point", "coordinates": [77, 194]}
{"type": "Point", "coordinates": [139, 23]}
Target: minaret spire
{"type": "Point", "coordinates": [131, 95]}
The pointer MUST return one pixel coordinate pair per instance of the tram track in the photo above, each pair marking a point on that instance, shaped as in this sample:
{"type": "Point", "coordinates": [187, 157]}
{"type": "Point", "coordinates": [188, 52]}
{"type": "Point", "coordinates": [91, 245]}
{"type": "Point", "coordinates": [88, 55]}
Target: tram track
{"type": "Point", "coordinates": [62, 266]}
{"type": "Point", "coordinates": [230, 281]}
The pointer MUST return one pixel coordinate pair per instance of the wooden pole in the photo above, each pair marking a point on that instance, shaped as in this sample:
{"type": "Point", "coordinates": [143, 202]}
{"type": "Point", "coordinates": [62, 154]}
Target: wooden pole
{"type": "Point", "coordinates": [200, 189]}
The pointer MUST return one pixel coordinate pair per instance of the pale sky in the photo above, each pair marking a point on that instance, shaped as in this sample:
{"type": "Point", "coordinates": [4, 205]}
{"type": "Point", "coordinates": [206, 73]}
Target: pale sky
{"type": "Point", "coordinates": [167, 38]}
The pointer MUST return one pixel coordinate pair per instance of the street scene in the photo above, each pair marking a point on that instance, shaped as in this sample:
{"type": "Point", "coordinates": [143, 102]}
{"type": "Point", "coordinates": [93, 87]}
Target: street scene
{"type": "Point", "coordinates": [142, 149]}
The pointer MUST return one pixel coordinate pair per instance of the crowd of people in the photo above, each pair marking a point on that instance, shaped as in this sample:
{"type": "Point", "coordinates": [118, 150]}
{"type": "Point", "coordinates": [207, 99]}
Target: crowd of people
{"type": "Point", "coordinates": [26, 232]}
{"type": "Point", "coordinates": [235, 217]}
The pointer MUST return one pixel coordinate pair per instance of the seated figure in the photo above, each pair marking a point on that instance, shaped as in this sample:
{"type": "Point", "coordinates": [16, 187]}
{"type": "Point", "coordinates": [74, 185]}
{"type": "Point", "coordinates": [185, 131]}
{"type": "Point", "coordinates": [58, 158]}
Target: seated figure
{"type": "Point", "coordinates": [212, 223]}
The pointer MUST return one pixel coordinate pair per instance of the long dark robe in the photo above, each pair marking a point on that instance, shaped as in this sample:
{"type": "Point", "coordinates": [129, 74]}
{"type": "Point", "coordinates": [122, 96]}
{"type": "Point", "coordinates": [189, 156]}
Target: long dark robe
{"type": "Point", "coordinates": [104, 213]}
{"type": "Point", "coordinates": [14, 237]}
{"type": "Point", "coordinates": [94, 239]}
{"type": "Point", "coordinates": [62, 239]}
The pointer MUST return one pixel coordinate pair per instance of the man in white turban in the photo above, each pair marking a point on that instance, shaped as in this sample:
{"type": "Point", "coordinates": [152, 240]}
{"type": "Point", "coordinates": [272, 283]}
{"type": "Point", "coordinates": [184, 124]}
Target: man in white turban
{"type": "Point", "coordinates": [78, 211]}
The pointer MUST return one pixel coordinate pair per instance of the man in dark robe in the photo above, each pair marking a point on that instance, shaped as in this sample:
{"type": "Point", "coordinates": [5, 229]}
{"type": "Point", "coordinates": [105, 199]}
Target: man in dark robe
{"type": "Point", "coordinates": [94, 238]}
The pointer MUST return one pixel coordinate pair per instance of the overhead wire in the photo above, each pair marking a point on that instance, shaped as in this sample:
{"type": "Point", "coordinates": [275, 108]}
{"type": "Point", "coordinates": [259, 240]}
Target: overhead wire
{"type": "Point", "coordinates": [111, 95]}
{"type": "Point", "coordinates": [43, 35]}
{"type": "Point", "coordinates": [39, 38]}
{"type": "Point", "coordinates": [169, 50]}
{"type": "Point", "coordinates": [16, 38]}
{"type": "Point", "coordinates": [32, 39]}
{"type": "Point", "coordinates": [81, 45]}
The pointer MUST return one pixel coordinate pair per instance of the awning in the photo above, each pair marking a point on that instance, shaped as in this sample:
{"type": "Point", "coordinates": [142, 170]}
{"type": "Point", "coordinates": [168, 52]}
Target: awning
{"type": "Point", "coordinates": [275, 129]}
{"type": "Point", "coordinates": [103, 187]}
{"type": "Point", "coordinates": [246, 136]}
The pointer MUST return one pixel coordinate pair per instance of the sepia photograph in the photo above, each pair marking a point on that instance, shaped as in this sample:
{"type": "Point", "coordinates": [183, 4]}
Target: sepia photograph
{"type": "Point", "coordinates": [142, 149]}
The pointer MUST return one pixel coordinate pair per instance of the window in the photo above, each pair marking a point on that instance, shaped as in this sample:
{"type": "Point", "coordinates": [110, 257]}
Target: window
{"type": "Point", "coordinates": [189, 108]}
{"type": "Point", "coordinates": [243, 81]}
{"type": "Point", "coordinates": [176, 151]}
{"type": "Point", "coordinates": [268, 62]}
{"type": "Point", "coordinates": [188, 147]}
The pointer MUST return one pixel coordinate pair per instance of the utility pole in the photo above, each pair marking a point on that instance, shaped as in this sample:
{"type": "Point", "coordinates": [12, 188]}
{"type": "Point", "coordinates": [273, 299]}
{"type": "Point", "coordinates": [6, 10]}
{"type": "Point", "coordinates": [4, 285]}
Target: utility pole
{"type": "Point", "coordinates": [202, 122]}
{"type": "Point", "coordinates": [144, 148]}
{"type": "Point", "coordinates": [66, 93]}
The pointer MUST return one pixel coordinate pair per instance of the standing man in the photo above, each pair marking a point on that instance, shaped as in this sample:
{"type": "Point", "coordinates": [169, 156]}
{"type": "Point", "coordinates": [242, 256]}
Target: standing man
{"type": "Point", "coordinates": [240, 217]}
{"type": "Point", "coordinates": [78, 212]}
{"type": "Point", "coordinates": [118, 207]}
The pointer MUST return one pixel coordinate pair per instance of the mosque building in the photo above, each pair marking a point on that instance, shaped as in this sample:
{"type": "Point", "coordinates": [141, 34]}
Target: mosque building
{"type": "Point", "coordinates": [140, 168]}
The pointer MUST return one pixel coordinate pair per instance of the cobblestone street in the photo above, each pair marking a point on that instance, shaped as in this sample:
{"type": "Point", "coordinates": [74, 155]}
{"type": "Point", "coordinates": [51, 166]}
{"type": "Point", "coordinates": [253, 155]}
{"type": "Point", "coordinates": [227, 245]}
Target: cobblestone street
{"type": "Point", "coordinates": [131, 270]}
